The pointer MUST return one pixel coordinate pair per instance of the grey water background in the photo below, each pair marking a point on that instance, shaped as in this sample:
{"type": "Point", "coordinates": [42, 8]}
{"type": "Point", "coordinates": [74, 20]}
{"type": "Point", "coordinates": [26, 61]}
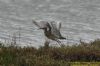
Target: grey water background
{"type": "Point", "coordinates": [80, 19]}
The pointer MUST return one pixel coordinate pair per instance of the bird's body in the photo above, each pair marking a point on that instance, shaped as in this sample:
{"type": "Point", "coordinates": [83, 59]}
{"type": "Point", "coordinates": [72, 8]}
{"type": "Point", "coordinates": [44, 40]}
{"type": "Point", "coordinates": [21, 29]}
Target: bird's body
{"type": "Point", "coordinates": [51, 30]}
{"type": "Point", "coordinates": [51, 34]}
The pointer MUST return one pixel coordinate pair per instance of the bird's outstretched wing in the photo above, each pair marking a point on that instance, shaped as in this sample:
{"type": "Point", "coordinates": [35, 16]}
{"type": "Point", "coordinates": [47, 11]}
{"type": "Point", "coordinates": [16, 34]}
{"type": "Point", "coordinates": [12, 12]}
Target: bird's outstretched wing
{"type": "Point", "coordinates": [58, 25]}
{"type": "Point", "coordinates": [55, 29]}
{"type": "Point", "coordinates": [36, 23]}
{"type": "Point", "coordinates": [41, 24]}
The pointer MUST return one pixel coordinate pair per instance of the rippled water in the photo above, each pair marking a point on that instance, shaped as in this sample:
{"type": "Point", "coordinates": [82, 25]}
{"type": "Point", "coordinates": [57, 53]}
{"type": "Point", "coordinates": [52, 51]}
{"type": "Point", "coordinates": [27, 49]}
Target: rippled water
{"type": "Point", "coordinates": [80, 19]}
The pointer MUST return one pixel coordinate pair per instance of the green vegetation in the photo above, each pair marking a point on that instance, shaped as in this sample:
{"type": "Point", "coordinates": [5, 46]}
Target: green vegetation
{"type": "Point", "coordinates": [51, 56]}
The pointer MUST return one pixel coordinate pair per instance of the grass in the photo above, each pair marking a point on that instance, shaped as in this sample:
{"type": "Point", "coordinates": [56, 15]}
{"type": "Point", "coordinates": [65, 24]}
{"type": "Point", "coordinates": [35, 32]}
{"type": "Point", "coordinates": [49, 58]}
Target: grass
{"type": "Point", "coordinates": [75, 55]}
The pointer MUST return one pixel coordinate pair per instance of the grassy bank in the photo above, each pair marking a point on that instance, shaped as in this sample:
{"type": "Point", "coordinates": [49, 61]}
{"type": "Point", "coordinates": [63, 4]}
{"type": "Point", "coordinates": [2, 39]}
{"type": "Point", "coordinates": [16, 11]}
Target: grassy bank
{"type": "Point", "coordinates": [50, 56]}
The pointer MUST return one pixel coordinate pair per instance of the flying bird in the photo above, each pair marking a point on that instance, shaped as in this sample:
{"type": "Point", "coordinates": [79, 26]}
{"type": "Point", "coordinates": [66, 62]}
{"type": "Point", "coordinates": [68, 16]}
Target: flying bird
{"type": "Point", "coordinates": [51, 30]}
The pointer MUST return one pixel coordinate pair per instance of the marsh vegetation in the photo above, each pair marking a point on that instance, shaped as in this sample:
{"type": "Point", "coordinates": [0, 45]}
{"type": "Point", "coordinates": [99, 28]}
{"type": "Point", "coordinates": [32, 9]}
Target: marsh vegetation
{"type": "Point", "coordinates": [49, 56]}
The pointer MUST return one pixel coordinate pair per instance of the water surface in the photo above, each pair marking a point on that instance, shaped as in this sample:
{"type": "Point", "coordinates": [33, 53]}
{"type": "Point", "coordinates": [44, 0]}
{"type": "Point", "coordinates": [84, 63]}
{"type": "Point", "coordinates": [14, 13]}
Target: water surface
{"type": "Point", "coordinates": [80, 19]}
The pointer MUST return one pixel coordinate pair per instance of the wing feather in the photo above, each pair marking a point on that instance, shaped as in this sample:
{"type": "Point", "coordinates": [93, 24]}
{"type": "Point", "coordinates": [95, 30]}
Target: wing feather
{"type": "Point", "coordinates": [41, 24]}
{"type": "Point", "coordinates": [58, 25]}
{"type": "Point", "coordinates": [36, 23]}
{"type": "Point", "coordinates": [55, 30]}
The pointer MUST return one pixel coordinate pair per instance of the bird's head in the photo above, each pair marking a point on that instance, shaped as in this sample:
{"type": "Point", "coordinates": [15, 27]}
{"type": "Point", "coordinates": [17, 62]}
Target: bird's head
{"type": "Point", "coordinates": [45, 28]}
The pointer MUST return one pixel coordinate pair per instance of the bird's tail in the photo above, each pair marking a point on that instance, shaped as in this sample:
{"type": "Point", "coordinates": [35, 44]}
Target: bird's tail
{"type": "Point", "coordinates": [62, 38]}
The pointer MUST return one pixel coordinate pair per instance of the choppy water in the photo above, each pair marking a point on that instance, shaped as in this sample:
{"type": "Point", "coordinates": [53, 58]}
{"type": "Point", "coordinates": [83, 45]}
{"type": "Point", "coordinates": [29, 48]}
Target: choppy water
{"type": "Point", "coordinates": [80, 19]}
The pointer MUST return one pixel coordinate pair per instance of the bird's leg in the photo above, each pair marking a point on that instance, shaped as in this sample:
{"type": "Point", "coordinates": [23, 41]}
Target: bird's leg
{"type": "Point", "coordinates": [60, 43]}
{"type": "Point", "coordinates": [46, 44]}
